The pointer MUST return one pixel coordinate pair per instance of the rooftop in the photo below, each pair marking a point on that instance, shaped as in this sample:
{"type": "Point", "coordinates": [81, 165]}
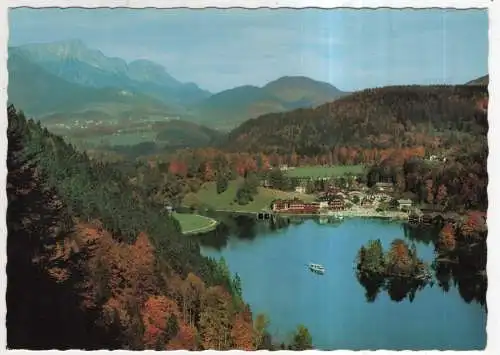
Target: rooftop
{"type": "Point", "coordinates": [384, 184]}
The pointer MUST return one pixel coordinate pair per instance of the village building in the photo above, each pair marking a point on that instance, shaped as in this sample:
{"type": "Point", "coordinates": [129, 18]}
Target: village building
{"type": "Point", "coordinates": [340, 195]}
{"type": "Point", "coordinates": [283, 205]}
{"type": "Point", "coordinates": [332, 191]}
{"type": "Point", "coordinates": [356, 195]}
{"type": "Point", "coordinates": [337, 204]}
{"type": "Point", "coordinates": [452, 217]}
{"type": "Point", "coordinates": [266, 183]}
{"type": "Point", "coordinates": [169, 209]}
{"type": "Point", "coordinates": [381, 197]}
{"type": "Point", "coordinates": [330, 194]}
{"type": "Point", "coordinates": [364, 188]}
{"type": "Point", "coordinates": [437, 158]}
{"type": "Point", "coordinates": [366, 203]}
{"type": "Point", "coordinates": [405, 204]}
{"type": "Point", "coordinates": [430, 207]}
{"type": "Point", "coordinates": [316, 205]}
{"type": "Point", "coordinates": [302, 180]}
{"type": "Point", "coordinates": [280, 205]}
{"type": "Point", "coordinates": [295, 206]}
{"type": "Point", "coordinates": [384, 186]}
{"type": "Point", "coordinates": [300, 189]}
{"type": "Point", "coordinates": [322, 198]}
{"type": "Point", "coordinates": [323, 204]}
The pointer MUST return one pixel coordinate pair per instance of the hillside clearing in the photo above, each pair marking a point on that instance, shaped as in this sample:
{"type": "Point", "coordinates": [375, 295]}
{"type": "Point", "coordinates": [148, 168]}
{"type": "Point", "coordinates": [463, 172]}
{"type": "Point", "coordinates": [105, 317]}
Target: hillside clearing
{"type": "Point", "coordinates": [193, 223]}
{"type": "Point", "coordinates": [207, 195]}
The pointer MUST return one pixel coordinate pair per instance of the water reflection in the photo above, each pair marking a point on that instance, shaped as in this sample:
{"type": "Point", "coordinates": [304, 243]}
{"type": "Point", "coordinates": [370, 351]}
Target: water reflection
{"type": "Point", "coordinates": [400, 288]}
{"type": "Point", "coordinates": [342, 303]}
{"type": "Point", "coordinates": [243, 227]}
{"type": "Point", "coordinates": [463, 269]}
{"type": "Point", "coordinates": [373, 285]}
{"type": "Point", "coordinates": [425, 234]}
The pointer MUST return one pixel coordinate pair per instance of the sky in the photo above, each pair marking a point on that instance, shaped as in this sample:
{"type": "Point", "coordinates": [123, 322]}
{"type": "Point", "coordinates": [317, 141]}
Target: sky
{"type": "Point", "coordinates": [219, 49]}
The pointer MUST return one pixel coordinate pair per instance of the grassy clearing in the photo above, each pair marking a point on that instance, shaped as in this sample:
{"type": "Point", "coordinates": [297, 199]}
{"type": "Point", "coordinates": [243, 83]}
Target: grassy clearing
{"type": "Point", "coordinates": [207, 195]}
{"type": "Point", "coordinates": [325, 171]}
{"type": "Point", "coordinates": [127, 138]}
{"type": "Point", "coordinates": [193, 223]}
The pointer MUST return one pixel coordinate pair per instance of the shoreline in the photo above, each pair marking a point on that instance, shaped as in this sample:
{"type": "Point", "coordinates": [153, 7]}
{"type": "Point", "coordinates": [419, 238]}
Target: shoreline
{"type": "Point", "coordinates": [392, 215]}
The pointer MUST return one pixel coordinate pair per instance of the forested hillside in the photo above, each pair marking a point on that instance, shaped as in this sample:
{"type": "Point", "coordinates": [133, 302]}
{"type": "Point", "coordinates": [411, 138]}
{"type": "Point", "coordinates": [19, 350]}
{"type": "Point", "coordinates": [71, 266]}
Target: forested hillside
{"type": "Point", "coordinates": [93, 263]}
{"type": "Point", "coordinates": [389, 117]}
{"type": "Point", "coordinates": [481, 81]}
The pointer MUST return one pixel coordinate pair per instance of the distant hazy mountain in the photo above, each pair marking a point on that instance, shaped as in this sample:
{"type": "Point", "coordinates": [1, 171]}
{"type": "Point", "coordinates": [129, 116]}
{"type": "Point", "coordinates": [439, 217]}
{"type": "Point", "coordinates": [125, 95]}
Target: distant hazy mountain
{"type": "Point", "coordinates": [301, 92]}
{"type": "Point", "coordinates": [69, 77]}
{"type": "Point", "coordinates": [229, 108]}
{"type": "Point", "coordinates": [75, 62]}
{"type": "Point", "coordinates": [61, 104]}
{"type": "Point", "coordinates": [484, 80]}
{"type": "Point", "coordinates": [39, 92]}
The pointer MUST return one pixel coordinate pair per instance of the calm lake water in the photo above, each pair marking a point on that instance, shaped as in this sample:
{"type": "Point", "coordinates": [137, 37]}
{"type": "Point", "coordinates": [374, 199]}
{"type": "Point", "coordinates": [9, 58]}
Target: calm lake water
{"type": "Point", "coordinates": [276, 281]}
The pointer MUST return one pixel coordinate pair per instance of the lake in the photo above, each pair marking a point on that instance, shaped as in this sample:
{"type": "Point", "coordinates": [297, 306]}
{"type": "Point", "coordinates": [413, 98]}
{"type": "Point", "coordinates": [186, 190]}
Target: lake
{"type": "Point", "coordinates": [272, 261]}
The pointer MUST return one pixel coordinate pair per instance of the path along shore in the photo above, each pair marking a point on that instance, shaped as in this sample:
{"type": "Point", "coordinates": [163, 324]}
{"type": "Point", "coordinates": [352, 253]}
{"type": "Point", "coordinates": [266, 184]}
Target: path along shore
{"type": "Point", "coordinates": [205, 229]}
{"type": "Point", "coordinates": [372, 213]}
{"type": "Point", "coordinates": [348, 213]}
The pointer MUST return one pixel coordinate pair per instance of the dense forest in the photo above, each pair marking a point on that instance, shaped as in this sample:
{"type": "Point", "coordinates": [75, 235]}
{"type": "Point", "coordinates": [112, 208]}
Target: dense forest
{"type": "Point", "coordinates": [94, 263]}
{"type": "Point", "coordinates": [391, 117]}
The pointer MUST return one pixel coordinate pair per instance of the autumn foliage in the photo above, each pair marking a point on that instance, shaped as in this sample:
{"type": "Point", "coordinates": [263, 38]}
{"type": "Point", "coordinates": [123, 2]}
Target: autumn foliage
{"type": "Point", "coordinates": [243, 332]}
{"type": "Point", "coordinates": [188, 312]}
{"type": "Point", "coordinates": [158, 311]}
{"type": "Point", "coordinates": [106, 268]}
{"type": "Point", "coordinates": [447, 239]}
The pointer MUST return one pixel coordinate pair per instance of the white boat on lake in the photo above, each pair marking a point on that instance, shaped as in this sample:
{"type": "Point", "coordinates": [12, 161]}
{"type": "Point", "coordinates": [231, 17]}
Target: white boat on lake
{"type": "Point", "coordinates": [320, 269]}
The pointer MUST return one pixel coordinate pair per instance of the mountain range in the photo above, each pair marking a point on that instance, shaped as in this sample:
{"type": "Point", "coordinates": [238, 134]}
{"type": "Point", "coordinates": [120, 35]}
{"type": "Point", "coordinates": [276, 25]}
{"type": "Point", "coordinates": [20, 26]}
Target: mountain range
{"type": "Point", "coordinates": [40, 92]}
{"type": "Point", "coordinates": [68, 77]}
{"type": "Point", "coordinates": [74, 62]}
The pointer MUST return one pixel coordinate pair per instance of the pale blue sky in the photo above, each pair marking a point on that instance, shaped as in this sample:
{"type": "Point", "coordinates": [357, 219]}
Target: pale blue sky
{"type": "Point", "coordinates": [221, 49]}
